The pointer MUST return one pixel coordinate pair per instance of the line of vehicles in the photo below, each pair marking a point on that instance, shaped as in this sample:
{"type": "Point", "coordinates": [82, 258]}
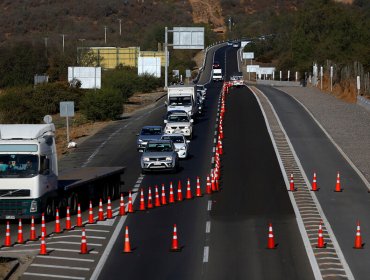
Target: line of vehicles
{"type": "Point", "coordinates": [163, 147]}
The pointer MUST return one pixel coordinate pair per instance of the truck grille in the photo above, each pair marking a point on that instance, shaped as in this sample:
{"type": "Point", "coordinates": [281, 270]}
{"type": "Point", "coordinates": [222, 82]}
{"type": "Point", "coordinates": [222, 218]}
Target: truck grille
{"type": "Point", "coordinates": [13, 207]}
{"type": "Point", "coordinates": [157, 159]}
{"type": "Point", "coordinates": [14, 193]}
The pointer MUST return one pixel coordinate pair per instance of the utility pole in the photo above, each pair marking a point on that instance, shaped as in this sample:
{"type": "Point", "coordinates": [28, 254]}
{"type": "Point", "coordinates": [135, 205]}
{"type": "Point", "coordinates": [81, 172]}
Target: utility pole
{"type": "Point", "coordinates": [46, 46]}
{"type": "Point", "coordinates": [63, 35]}
{"type": "Point", "coordinates": [105, 34]}
{"type": "Point", "coordinates": [80, 55]}
{"type": "Point", "coordinates": [120, 27]}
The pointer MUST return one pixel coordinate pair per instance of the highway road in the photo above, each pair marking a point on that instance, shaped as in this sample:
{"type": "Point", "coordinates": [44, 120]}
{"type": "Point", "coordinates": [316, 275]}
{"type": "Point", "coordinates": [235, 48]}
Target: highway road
{"type": "Point", "coordinates": [223, 235]}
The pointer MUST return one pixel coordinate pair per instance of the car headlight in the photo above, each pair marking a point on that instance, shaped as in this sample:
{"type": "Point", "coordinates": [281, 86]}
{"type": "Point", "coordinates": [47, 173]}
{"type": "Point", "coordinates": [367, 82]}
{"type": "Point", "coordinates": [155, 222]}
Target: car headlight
{"type": "Point", "coordinates": [183, 148]}
{"type": "Point", "coordinates": [33, 207]}
{"type": "Point", "coordinates": [168, 158]}
{"type": "Point", "coordinates": [140, 141]}
{"type": "Point", "coordinates": [145, 159]}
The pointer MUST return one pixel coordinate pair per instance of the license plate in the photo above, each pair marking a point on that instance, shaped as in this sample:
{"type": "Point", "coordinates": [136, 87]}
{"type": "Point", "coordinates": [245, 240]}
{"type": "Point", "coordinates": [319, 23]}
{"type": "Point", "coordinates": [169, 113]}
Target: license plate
{"type": "Point", "coordinates": [157, 163]}
{"type": "Point", "coordinates": [8, 217]}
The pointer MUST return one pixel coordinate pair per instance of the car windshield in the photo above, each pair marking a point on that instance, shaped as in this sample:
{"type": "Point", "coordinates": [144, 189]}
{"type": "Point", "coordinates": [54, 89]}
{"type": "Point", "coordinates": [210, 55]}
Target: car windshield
{"type": "Point", "coordinates": [175, 139]}
{"type": "Point", "coordinates": [151, 131]}
{"type": "Point", "coordinates": [178, 118]}
{"type": "Point", "coordinates": [159, 147]}
{"type": "Point", "coordinates": [18, 165]}
{"type": "Point", "coordinates": [180, 100]}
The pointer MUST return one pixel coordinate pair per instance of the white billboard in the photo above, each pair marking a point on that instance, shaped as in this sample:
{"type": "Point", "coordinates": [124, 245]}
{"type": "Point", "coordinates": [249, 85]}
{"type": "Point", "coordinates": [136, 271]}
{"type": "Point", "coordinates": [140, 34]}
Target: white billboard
{"type": "Point", "coordinates": [188, 38]}
{"type": "Point", "coordinates": [248, 55]}
{"type": "Point", "coordinates": [90, 77]}
{"type": "Point", "coordinates": [266, 70]}
{"type": "Point", "coordinates": [150, 66]}
{"type": "Point", "coordinates": [252, 68]}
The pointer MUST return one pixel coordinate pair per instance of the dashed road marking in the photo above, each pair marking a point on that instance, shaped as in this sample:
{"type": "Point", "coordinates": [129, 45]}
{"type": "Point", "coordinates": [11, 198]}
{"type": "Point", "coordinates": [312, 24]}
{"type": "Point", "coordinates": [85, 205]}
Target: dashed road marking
{"type": "Point", "coordinates": [208, 226]}
{"type": "Point", "coordinates": [65, 258]}
{"type": "Point", "coordinates": [209, 207]}
{"type": "Point", "coordinates": [205, 254]}
{"type": "Point", "coordinates": [54, 276]}
{"type": "Point", "coordinates": [60, 266]}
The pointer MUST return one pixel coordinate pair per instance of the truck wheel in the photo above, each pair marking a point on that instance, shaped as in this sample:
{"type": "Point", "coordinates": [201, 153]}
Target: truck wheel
{"type": "Point", "coordinates": [50, 209]}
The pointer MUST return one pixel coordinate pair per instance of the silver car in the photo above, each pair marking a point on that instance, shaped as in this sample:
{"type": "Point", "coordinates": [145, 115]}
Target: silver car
{"type": "Point", "coordinates": [180, 142]}
{"type": "Point", "coordinates": [159, 155]}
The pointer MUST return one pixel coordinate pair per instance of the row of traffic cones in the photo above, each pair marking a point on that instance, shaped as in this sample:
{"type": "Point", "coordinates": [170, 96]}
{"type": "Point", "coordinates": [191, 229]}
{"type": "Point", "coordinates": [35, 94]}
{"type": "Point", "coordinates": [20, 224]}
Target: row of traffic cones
{"type": "Point", "coordinates": [271, 244]}
{"type": "Point", "coordinates": [68, 224]}
{"type": "Point", "coordinates": [175, 247]}
{"type": "Point", "coordinates": [314, 184]}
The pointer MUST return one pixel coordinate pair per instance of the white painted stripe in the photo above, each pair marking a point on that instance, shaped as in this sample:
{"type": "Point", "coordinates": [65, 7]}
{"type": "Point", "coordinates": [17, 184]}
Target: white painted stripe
{"type": "Point", "coordinates": [54, 276]}
{"type": "Point", "coordinates": [213, 160]}
{"type": "Point", "coordinates": [73, 243]}
{"type": "Point", "coordinates": [205, 254]}
{"type": "Point", "coordinates": [79, 236]}
{"type": "Point", "coordinates": [93, 230]}
{"type": "Point", "coordinates": [208, 226]}
{"type": "Point", "coordinates": [64, 258]}
{"type": "Point", "coordinates": [61, 266]}
{"type": "Point", "coordinates": [209, 207]}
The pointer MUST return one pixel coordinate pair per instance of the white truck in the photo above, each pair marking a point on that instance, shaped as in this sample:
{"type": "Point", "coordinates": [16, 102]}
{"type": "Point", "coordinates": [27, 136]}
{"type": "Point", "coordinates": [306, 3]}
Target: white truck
{"type": "Point", "coordinates": [217, 74]}
{"type": "Point", "coordinates": [30, 183]}
{"type": "Point", "coordinates": [184, 98]}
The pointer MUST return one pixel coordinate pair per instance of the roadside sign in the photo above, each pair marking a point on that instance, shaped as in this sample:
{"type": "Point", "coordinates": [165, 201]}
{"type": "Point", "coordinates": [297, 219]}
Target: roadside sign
{"type": "Point", "coordinates": [67, 108]}
{"type": "Point", "coordinates": [248, 55]}
{"type": "Point", "coordinates": [187, 73]}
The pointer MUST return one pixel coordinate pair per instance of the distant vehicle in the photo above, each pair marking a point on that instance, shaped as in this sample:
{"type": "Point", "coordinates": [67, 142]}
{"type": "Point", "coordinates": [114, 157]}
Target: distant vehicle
{"type": "Point", "coordinates": [236, 45]}
{"type": "Point", "coordinates": [229, 43]}
{"type": "Point", "coordinates": [147, 133]}
{"type": "Point", "coordinates": [203, 90]}
{"type": "Point", "coordinates": [216, 64]}
{"type": "Point", "coordinates": [182, 97]}
{"type": "Point", "coordinates": [237, 79]}
{"type": "Point", "coordinates": [180, 142]}
{"type": "Point", "coordinates": [159, 155]}
{"type": "Point", "coordinates": [179, 122]}
{"type": "Point", "coordinates": [217, 75]}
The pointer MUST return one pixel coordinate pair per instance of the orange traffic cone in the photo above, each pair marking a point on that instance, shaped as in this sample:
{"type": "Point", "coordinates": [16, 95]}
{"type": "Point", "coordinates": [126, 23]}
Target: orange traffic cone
{"type": "Point", "coordinates": [33, 230]}
{"type": "Point", "coordinates": [100, 211]}
{"type": "Point", "coordinates": [208, 186]}
{"type": "Point", "coordinates": [43, 226]}
{"type": "Point", "coordinates": [172, 196]}
{"type": "Point", "coordinates": [8, 241]}
{"type": "Point", "coordinates": [271, 240]}
{"type": "Point", "coordinates": [188, 190]}
{"type": "Point", "coordinates": [109, 209]}
{"type": "Point", "coordinates": [198, 192]}
{"type": "Point", "coordinates": [179, 191]}
{"type": "Point", "coordinates": [43, 250]}
{"type": "Point", "coordinates": [122, 210]}
{"type": "Point", "coordinates": [68, 220]}
{"type": "Point", "coordinates": [91, 214]}
{"type": "Point", "coordinates": [220, 149]}
{"type": "Point", "coordinates": [83, 249]}
{"type": "Point", "coordinates": [358, 238]}
{"type": "Point", "coordinates": [157, 201]}
{"type": "Point", "coordinates": [57, 221]}
{"type": "Point", "coordinates": [150, 199]}
{"type": "Point", "coordinates": [337, 185]}
{"type": "Point", "coordinates": [292, 189]}
{"type": "Point", "coordinates": [20, 232]}
{"type": "Point", "coordinates": [79, 217]}
{"type": "Point", "coordinates": [130, 206]}
{"type": "Point", "coordinates": [175, 242]}
{"type": "Point", "coordinates": [142, 201]}
{"type": "Point", "coordinates": [213, 184]}
{"type": "Point", "coordinates": [314, 183]}
{"type": "Point", "coordinates": [127, 246]}
{"type": "Point", "coordinates": [320, 239]}
{"type": "Point", "coordinates": [163, 196]}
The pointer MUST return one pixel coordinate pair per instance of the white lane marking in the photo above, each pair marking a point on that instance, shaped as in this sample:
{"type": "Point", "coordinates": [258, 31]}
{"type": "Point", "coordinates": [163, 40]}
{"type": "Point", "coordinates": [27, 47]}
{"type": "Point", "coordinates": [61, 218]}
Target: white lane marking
{"type": "Point", "coordinates": [208, 226]}
{"type": "Point", "coordinates": [108, 222]}
{"type": "Point", "coordinates": [213, 160]}
{"type": "Point", "coordinates": [61, 266]}
{"type": "Point", "coordinates": [64, 258]}
{"type": "Point", "coordinates": [215, 132]}
{"type": "Point", "coordinates": [209, 207]}
{"type": "Point", "coordinates": [49, 249]}
{"type": "Point", "coordinates": [205, 254]}
{"type": "Point", "coordinates": [214, 149]}
{"type": "Point", "coordinates": [73, 243]}
{"type": "Point", "coordinates": [111, 242]}
{"type": "Point", "coordinates": [54, 276]}
{"type": "Point", "coordinates": [79, 236]}
{"type": "Point", "coordinates": [93, 230]}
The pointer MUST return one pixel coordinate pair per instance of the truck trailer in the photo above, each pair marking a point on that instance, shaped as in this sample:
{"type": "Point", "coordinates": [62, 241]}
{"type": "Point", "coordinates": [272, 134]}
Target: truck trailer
{"type": "Point", "coordinates": [30, 183]}
{"type": "Point", "coordinates": [183, 97]}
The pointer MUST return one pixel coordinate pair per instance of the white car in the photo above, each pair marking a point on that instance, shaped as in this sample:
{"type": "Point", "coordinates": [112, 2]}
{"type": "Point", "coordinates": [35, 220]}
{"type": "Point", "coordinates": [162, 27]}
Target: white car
{"type": "Point", "coordinates": [180, 142]}
{"type": "Point", "coordinates": [179, 122]}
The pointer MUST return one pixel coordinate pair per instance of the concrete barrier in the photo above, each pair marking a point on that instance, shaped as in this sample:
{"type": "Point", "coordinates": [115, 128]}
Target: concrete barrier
{"type": "Point", "coordinates": [363, 101]}
{"type": "Point", "coordinates": [279, 83]}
